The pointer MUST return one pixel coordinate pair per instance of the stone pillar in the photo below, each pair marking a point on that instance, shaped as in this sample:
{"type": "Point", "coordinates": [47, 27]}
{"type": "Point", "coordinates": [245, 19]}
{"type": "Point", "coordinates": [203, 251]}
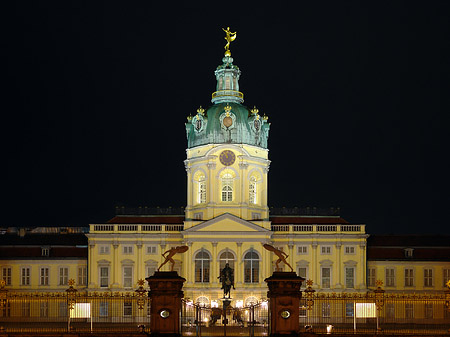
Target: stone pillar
{"type": "Point", "coordinates": [214, 265]}
{"type": "Point", "coordinates": [339, 267]}
{"type": "Point", "coordinates": [115, 266]}
{"type": "Point", "coordinates": [284, 301]}
{"type": "Point", "coordinates": [91, 266]}
{"type": "Point", "coordinates": [239, 268]}
{"type": "Point", "coordinates": [165, 295]}
{"type": "Point", "coordinates": [315, 265]}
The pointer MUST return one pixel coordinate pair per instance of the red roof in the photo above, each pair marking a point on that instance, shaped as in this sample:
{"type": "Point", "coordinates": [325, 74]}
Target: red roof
{"type": "Point", "coordinates": [307, 220]}
{"type": "Point", "coordinates": [147, 219]}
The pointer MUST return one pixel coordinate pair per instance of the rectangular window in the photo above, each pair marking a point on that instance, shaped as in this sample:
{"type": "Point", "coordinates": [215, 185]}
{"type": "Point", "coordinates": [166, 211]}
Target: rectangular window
{"type": "Point", "coordinates": [371, 277]}
{"type": "Point", "coordinates": [127, 309]}
{"type": "Point", "coordinates": [45, 251]}
{"type": "Point", "coordinates": [198, 216]}
{"type": "Point", "coordinates": [429, 310]}
{"type": "Point", "coordinates": [409, 310]}
{"type": "Point", "coordinates": [349, 277]}
{"type": "Point", "coordinates": [349, 309]}
{"type": "Point", "coordinates": [428, 277]}
{"type": "Point", "coordinates": [409, 277]}
{"type": "Point", "coordinates": [446, 274]}
{"type": "Point", "coordinates": [326, 277]}
{"type": "Point", "coordinates": [326, 310]}
{"type": "Point", "coordinates": [151, 250]}
{"type": "Point", "coordinates": [326, 250]}
{"type": "Point", "coordinates": [82, 276]}
{"type": "Point", "coordinates": [390, 277]}
{"type": "Point", "coordinates": [43, 276]}
{"type": "Point", "coordinates": [26, 309]}
{"type": "Point", "coordinates": [256, 216]}
{"type": "Point", "coordinates": [103, 309]}
{"type": "Point", "coordinates": [104, 277]}
{"type": "Point", "coordinates": [390, 310]}
{"type": "Point", "coordinates": [43, 309]}
{"type": "Point", "coordinates": [25, 276]}
{"type": "Point", "coordinates": [151, 270]}
{"type": "Point", "coordinates": [103, 249]}
{"type": "Point", "coordinates": [303, 308]}
{"type": "Point", "coordinates": [127, 277]}
{"type": "Point", "coordinates": [302, 250]}
{"type": "Point", "coordinates": [349, 250]}
{"type": "Point", "coordinates": [128, 249]}
{"type": "Point", "coordinates": [63, 276]}
{"type": "Point", "coordinates": [6, 275]}
{"type": "Point", "coordinates": [302, 272]}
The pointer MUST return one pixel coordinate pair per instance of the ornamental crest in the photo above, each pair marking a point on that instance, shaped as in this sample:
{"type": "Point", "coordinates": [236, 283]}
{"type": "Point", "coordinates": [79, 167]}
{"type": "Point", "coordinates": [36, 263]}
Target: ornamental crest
{"type": "Point", "coordinates": [199, 121]}
{"type": "Point", "coordinates": [227, 118]}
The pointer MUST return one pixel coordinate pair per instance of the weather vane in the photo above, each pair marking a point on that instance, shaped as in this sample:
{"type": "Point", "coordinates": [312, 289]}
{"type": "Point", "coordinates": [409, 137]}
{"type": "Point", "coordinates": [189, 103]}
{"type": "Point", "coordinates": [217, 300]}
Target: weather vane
{"type": "Point", "coordinates": [229, 38]}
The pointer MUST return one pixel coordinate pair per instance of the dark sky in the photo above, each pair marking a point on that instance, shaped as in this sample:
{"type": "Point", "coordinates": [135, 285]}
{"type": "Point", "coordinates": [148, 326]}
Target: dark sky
{"type": "Point", "coordinates": [98, 93]}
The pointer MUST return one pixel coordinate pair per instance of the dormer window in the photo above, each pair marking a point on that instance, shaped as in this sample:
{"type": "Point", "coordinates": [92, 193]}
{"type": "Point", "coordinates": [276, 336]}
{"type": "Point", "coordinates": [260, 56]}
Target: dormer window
{"type": "Point", "coordinates": [409, 252]}
{"type": "Point", "coordinates": [45, 251]}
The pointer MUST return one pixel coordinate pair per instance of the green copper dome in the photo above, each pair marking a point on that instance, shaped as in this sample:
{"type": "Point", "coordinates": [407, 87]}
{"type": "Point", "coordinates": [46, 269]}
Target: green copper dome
{"type": "Point", "coordinates": [227, 121]}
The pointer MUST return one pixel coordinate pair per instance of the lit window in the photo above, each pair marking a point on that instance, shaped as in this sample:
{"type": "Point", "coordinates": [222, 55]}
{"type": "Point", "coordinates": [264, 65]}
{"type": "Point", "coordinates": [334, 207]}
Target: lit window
{"type": "Point", "coordinates": [428, 277]}
{"type": "Point", "coordinates": [251, 267]}
{"type": "Point", "coordinates": [63, 276]}
{"type": "Point", "coordinates": [326, 310]}
{"type": "Point", "coordinates": [252, 190]}
{"type": "Point", "coordinates": [201, 189]}
{"type": "Point", "coordinates": [226, 257]}
{"type": "Point", "coordinates": [45, 251]}
{"type": "Point", "coordinates": [202, 267]}
{"type": "Point", "coordinates": [349, 309]}
{"type": "Point", "coordinates": [227, 187]}
{"type": "Point", "coordinates": [127, 308]}
{"type": "Point", "coordinates": [303, 312]}
{"type": "Point", "coordinates": [103, 309]}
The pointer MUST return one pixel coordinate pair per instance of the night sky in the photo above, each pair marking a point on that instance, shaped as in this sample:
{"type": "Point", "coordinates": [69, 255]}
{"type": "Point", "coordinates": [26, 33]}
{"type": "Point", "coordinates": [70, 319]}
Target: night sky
{"type": "Point", "coordinates": [97, 94]}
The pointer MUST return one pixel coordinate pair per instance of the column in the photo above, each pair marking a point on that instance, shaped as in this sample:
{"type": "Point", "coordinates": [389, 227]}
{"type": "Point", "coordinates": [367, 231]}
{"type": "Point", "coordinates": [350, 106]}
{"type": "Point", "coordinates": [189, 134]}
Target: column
{"type": "Point", "coordinates": [139, 271]}
{"type": "Point", "coordinates": [91, 266]}
{"type": "Point", "coordinates": [362, 265]}
{"type": "Point", "coordinates": [238, 273]}
{"type": "Point", "coordinates": [188, 265]}
{"type": "Point", "coordinates": [338, 266]}
{"type": "Point", "coordinates": [115, 266]}
{"type": "Point", "coordinates": [214, 265]}
{"type": "Point", "coordinates": [291, 255]}
{"type": "Point", "coordinates": [315, 265]}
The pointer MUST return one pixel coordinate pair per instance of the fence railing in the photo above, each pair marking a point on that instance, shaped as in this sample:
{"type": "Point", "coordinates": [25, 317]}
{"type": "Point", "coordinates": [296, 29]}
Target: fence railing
{"type": "Point", "coordinates": [375, 312]}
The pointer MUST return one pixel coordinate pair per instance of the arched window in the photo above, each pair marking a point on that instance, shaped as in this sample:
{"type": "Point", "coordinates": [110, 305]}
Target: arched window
{"type": "Point", "coordinates": [252, 190]}
{"type": "Point", "coordinates": [202, 267]}
{"type": "Point", "coordinates": [251, 300]}
{"type": "Point", "coordinates": [203, 301]}
{"type": "Point", "coordinates": [251, 267]}
{"type": "Point", "coordinates": [226, 257]}
{"type": "Point", "coordinates": [201, 189]}
{"type": "Point", "coordinates": [227, 187]}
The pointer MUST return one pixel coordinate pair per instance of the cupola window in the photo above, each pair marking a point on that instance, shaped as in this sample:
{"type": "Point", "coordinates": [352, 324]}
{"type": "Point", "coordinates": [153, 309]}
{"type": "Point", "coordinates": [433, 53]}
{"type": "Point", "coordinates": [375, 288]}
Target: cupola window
{"type": "Point", "coordinates": [252, 190]}
{"type": "Point", "coordinates": [227, 187]}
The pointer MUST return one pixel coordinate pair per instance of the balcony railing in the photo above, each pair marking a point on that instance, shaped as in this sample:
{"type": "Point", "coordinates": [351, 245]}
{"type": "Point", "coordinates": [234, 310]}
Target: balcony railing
{"type": "Point", "coordinates": [319, 228]}
{"type": "Point", "coordinates": [136, 228]}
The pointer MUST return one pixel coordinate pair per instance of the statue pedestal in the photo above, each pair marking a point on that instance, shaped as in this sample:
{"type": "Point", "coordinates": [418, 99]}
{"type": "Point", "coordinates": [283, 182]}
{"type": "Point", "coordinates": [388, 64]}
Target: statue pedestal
{"type": "Point", "coordinates": [284, 300]}
{"type": "Point", "coordinates": [165, 295]}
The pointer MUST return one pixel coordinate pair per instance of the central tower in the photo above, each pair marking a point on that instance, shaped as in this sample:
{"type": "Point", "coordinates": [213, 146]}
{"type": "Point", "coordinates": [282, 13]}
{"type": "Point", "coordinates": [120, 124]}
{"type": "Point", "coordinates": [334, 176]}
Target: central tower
{"type": "Point", "coordinates": [227, 157]}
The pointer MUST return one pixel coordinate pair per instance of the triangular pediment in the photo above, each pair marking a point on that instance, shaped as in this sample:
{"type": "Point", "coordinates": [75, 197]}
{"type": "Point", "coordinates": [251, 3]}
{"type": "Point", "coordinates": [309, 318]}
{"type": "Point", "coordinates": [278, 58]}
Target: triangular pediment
{"type": "Point", "coordinates": [227, 223]}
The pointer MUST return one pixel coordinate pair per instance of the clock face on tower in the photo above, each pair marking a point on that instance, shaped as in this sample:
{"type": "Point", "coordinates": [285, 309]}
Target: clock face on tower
{"type": "Point", "coordinates": [227, 157]}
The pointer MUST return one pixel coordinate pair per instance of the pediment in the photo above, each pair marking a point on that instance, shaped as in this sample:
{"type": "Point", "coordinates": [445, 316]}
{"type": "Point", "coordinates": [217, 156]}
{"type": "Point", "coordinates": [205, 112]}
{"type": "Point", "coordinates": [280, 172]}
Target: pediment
{"type": "Point", "coordinates": [227, 223]}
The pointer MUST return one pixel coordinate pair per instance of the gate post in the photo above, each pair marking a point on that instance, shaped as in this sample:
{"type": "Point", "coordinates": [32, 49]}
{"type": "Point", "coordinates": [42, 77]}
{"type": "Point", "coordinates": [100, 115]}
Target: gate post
{"type": "Point", "coordinates": [284, 301]}
{"type": "Point", "coordinates": [165, 295]}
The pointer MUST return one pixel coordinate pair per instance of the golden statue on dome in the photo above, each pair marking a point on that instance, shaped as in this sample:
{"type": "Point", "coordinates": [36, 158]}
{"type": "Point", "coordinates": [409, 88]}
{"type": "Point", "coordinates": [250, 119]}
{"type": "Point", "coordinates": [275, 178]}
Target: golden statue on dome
{"type": "Point", "coordinates": [229, 38]}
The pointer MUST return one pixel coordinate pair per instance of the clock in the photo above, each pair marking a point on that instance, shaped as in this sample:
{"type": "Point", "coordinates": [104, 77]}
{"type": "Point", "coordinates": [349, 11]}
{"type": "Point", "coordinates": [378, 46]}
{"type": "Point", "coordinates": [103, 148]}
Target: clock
{"type": "Point", "coordinates": [164, 313]}
{"type": "Point", "coordinates": [285, 314]}
{"type": "Point", "coordinates": [227, 157]}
